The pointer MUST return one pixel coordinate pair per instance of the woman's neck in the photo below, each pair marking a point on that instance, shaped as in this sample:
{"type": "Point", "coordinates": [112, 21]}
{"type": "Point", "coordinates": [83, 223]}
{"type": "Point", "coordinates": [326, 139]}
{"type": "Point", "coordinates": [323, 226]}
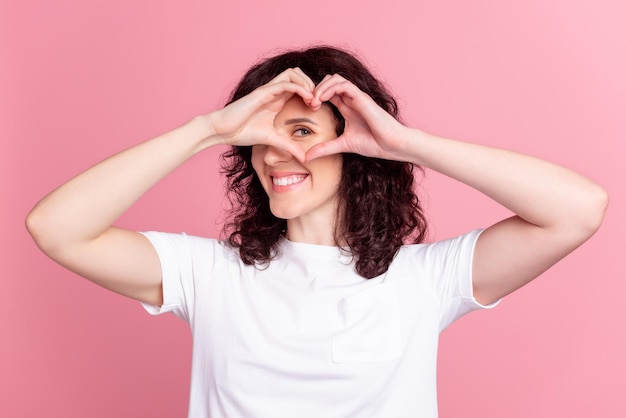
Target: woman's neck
{"type": "Point", "coordinates": [311, 230]}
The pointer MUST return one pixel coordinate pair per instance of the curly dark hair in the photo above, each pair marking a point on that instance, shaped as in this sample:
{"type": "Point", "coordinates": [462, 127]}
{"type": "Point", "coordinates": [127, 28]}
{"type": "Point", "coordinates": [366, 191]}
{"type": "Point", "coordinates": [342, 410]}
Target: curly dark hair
{"type": "Point", "coordinates": [379, 210]}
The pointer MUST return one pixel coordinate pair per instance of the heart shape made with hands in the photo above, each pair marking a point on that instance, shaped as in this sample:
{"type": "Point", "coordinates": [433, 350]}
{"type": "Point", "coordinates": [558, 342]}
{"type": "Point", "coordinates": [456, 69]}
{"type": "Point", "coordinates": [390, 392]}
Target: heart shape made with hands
{"type": "Point", "coordinates": [368, 130]}
{"type": "Point", "coordinates": [298, 123]}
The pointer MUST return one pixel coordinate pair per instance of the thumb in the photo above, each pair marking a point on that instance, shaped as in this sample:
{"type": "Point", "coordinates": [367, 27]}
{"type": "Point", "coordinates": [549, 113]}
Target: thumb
{"type": "Point", "coordinates": [286, 144]}
{"type": "Point", "coordinates": [334, 146]}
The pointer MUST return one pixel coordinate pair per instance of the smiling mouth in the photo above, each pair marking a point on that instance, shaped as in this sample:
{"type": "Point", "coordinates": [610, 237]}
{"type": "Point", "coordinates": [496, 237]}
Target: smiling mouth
{"type": "Point", "coordinates": [288, 180]}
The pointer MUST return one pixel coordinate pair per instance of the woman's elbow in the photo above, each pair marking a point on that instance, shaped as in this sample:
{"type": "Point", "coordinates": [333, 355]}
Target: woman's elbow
{"type": "Point", "coordinates": [594, 210]}
{"type": "Point", "coordinates": [40, 230]}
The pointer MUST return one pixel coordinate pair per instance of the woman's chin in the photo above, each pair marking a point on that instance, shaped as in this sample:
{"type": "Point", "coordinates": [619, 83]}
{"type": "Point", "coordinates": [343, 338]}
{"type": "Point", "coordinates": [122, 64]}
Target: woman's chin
{"type": "Point", "coordinates": [284, 213]}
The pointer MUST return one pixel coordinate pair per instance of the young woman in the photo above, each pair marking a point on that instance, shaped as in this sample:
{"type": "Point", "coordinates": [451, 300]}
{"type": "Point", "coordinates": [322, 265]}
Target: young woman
{"type": "Point", "coordinates": [322, 300]}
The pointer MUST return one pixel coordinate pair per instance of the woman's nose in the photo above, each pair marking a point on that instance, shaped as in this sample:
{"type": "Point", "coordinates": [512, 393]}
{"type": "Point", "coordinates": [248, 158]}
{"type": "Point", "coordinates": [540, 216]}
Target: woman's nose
{"type": "Point", "coordinates": [275, 155]}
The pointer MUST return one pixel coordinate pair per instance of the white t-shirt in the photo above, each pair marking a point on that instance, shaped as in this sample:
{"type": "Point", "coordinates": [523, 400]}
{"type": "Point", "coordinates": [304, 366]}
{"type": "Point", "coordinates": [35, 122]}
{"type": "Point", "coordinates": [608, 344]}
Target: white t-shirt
{"type": "Point", "coordinates": [307, 336]}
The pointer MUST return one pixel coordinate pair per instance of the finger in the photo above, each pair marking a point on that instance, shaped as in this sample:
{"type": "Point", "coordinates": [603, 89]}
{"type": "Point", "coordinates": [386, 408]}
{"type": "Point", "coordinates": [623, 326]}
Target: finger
{"type": "Point", "coordinates": [351, 108]}
{"type": "Point", "coordinates": [271, 92]}
{"type": "Point", "coordinates": [351, 100]}
{"type": "Point", "coordinates": [287, 144]}
{"type": "Point", "coordinates": [335, 146]}
{"type": "Point", "coordinates": [338, 102]}
{"type": "Point", "coordinates": [294, 75]}
{"type": "Point", "coordinates": [321, 83]}
{"type": "Point", "coordinates": [320, 93]}
{"type": "Point", "coordinates": [315, 103]}
{"type": "Point", "coordinates": [306, 78]}
{"type": "Point", "coordinates": [324, 81]}
{"type": "Point", "coordinates": [338, 87]}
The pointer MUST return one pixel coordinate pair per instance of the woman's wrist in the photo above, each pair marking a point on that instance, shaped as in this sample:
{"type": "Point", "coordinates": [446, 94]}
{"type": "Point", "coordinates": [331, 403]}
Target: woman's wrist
{"type": "Point", "coordinates": [203, 132]}
{"type": "Point", "coordinates": [409, 144]}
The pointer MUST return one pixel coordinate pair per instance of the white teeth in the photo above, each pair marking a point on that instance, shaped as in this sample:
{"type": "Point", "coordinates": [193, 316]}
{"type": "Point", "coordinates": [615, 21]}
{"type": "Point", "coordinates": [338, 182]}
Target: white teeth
{"type": "Point", "coordinates": [285, 181]}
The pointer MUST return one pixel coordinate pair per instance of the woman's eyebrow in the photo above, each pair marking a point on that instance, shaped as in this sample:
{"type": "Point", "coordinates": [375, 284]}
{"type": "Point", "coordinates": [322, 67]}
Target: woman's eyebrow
{"type": "Point", "coordinates": [299, 120]}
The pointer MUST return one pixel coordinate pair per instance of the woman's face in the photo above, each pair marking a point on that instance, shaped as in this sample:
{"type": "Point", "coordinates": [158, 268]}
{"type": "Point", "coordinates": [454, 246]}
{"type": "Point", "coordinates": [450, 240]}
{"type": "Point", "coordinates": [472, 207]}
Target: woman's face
{"type": "Point", "coordinates": [295, 189]}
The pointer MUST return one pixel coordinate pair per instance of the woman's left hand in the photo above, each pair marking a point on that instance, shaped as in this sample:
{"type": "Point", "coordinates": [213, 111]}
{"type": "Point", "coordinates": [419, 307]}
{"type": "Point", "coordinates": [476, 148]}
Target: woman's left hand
{"type": "Point", "coordinates": [369, 129]}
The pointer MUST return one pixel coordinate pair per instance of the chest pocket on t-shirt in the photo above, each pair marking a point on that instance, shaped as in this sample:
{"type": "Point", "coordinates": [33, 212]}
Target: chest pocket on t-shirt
{"type": "Point", "coordinates": [368, 328]}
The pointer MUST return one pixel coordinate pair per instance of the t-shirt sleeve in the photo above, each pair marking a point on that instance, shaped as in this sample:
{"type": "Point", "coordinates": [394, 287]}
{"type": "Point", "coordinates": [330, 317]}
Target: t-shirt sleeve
{"type": "Point", "coordinates": [185, 262]}
{"type": "Point", "coordinates": [451, 261]}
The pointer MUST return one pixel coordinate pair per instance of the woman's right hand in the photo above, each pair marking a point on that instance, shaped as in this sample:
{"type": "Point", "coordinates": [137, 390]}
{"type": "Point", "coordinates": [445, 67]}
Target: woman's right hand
{"type": "Point", "coordinates": [250, 120]}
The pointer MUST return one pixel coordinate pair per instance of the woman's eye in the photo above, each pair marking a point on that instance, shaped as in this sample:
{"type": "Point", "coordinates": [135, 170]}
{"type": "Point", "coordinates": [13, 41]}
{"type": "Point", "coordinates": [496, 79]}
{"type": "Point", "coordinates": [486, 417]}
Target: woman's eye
{"type": "Point", "coordinates": [302, 132]}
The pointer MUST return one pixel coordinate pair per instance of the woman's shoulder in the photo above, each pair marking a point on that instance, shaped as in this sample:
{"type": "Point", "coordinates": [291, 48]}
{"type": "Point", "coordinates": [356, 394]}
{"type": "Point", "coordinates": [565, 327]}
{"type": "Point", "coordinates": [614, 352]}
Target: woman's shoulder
{"type": "Point", "coordinates": [183, 243]}
{"type": "Point", "coordinates": [443, 247]}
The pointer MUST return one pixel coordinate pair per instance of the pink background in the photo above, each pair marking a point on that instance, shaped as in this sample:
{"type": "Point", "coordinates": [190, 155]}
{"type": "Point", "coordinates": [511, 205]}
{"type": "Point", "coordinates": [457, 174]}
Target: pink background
{"type": "Point", "coordinates": [81, 80]}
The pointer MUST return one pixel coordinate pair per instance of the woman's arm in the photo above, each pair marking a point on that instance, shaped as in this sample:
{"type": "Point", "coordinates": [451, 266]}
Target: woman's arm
{"type": "Point", "coordinates": [73, 225]}
{"type": "Point", "coordinates": [556, 209]}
